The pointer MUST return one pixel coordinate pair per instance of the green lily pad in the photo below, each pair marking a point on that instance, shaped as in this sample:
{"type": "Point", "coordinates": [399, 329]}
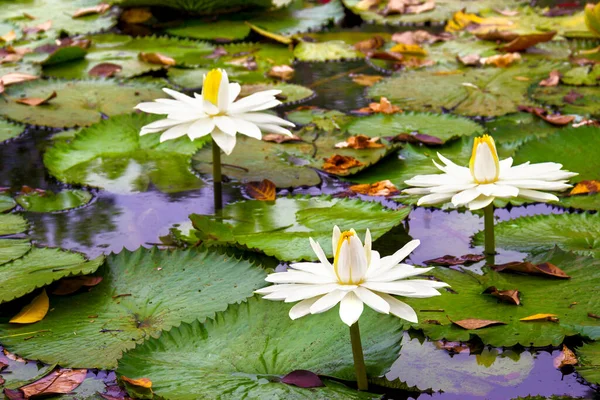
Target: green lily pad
{"type": "Point", "coordinates": [244, 352]}
{"type": "Point", "coordinates": [589, 358]}
{"type": "Point", "coordinates": [282, 228]}
{"type": "Point", "coordinates": [512, 130]}
{"type": "Point", "coordinates": [539, 295]}
{"type": "Point", "coordinates": [6, 203]}
{"type": "Point", "coordinates": [11, 249]}
{"type": "Point", "coordinates": [289, 93]}
{"type": "Point", "coordinates": [203, 6]}
{"type": "Point", "coordinates": [58, 56]}
{"type": "Point", "coordinates": [11, 224]}
{"type": "Point", "coordinates": [316, 115]}
{"type": "Point", "coordinates": [445, 127]}
{"type": "Point", "coordinates": [581, 202]}
{"type": "Point", "coordinates": [50, 201]}
{"type": "Point", "coordinates": [141, 294]}
{"type": "Point", "coordinates": [575, 232]}
{"type": "Point", "coordinates": [78, 103]}
{"type": "Point", "coordinates": [8, 130]}
{"type": "Point", "coordinates": [40, 267]}
{"type": "Point", "coordinates": [334, 50]}
{"type": "Point", "coordinates": [124, 51]}
{"type": "Point", "coordinates": [577, 149]}
{"type": "Point", "coordinates": [301, 16]}
{"type": "Point", "coordinates": [60, 12]}
{"type": "Point", "coordinates": [587, 76]}
{"type": "Point", "coordinates": [485, 92]}
{"type": "Point", "coordinates": [112, 155]}
{"type": "Point", "coordinates": [581, 100]}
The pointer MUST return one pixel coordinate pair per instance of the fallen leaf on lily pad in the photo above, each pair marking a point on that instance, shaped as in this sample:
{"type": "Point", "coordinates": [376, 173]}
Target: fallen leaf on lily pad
{"type": "Point", "coordinates": [105, 70]}
{"type": "Point", "coordinates": [501, 60]}
{"type": "Point", "coordinates": [565, 358]}
{"type": "Point", "coordinates": [506, 296]}
{"type": "Point", "coordinates": [572, 97]}
{"type": "Point", "coordinates": [99, 9]}
{"type": "Point", "coordinates": [264, 191]}
{"type": "Point", "coordinates": [381, 188]}
{"type": "Point", "coordinates": [283, 72]}
{"type": "Point", "coordinates": [525, 267]}
{"type": "Point", "coordinates": [17, 77]}
{"type": "Point", "coordinates": [366, 46]}
{"type": "Point", "coordinates": [365, 80]}
{"type": "Point", "coordinates": [414, 49]}
{"type": "Point", "coordinates": [8, 37]}
{"type": "Point", "coordinates": [474, 323]}
{"type": "Point", "coordinates": [540, 317]}
{"type": "Point", "coordinates": [460, 20]}
{"type": "Point", "coordinates": [419, 37]}
{"type": "Point", "coordinates": [136, 15]}
{"type": "Point", "coordinates": [34, 311]}
{"type": "Point", "coordinates": [384, 106]}
{"type": "Point", "coordinates": [554, 119]}
{"type": "Point", "coordinates": [71, 285]}
{"type": "Point", "coordinates": [449, 260]}
{"type": "Point", "coordinates": [523, 42]}
{"type": "Point", "coordinates": [140, 382]}
{"type": "Point", "coordinates": [387, 55]}
{"type": "Point", "coordinates": [156, 58]}
{"type": "Point", "coordinates": [418, 138]}
{"type": "Point", "coordinates": [338, 164]}
{"type": "Point", "coordinates": [552, 80]}
{"type": "Point", "coordinates": [469, 59]}
{"type": "Point", "coordinates": [60, 381]}
{"type": "Point", "coordinates": [586, 187]}
{"type": "Point", "coordinates": [278, 138]}
{"type": "Point", "coordinates": [303, 379]}
{"type": "Point", "coordinates": [37, 101]}
{"type": "Point", "coordinates": [43, 27]}
{"type": "Point", "coordinates": [360, 142]}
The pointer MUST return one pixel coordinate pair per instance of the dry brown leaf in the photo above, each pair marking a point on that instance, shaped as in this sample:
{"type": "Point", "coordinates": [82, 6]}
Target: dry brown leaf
{"type": "Point", "coordinates": [384, 106]}
{"type": "Point", "coordinates": [572, 97]}
{"type": "Point", "coordinates": [418, 138]}
{"type": "Point", "coordinates": [408, 6]}
{"type": "Point", "coordinates": [105, 70]}
{"type": "Point", "coordinates": [540, 317]}
{"type": "Point", "coordinates": [586, 122]}
{"type": "Point", "coordinates": [278, 138]}
{"type": "Point", "coordinates": [360, 142]}
{"type": "Point", "coordinates": [141, 382]}
{"type": "Point", "coordinates": [60, 381]}
{"type": "Point", "coordinates": [592, 315]}
{"type": "Point", "coordinates": [9, 37]}
{"type": "Point", "coordinates": [338, 164]}
{"type": "Point", "coordinates": [366, 46]}
{"type": "Point", "coordinates": [34, 311]}
{"type": "Point", "coordinates": [43, 27]}
{"type": "Point", "coordinates": [136, 15]}
{"type": "Point", "coordinates": [501, 60]}
{"type": "Point", "coordinates": [248, 62]}
{"type": "Point", "coordinates": [419, 37]}
{"type": "Point", "coordinates": [381, 188]}
{"type": "Point", "coordinates": [16, 77]}
{"type": "Point", "coordinates": [523, 42]}
{"type": "Point", "coordinates": [36, 101]}
{"type": "Point", "coordinates": [28, 16]}
{"type": "Point", "coordinates": [525, 267]}
{"type": "Point", "coordinates": [496, 35]}
{"type": "Point", "coordinates": [420, 8]}
{"type": "Point", "coordinates": [469, 59]}
{"type": "Point", "coordinates": [586, 187]}
{"type": "Point", "coordinates": [263, 191]}
{"type": "Point", "coordinates": [554, 119]}
{"type": "Point", "coordinates": [414, 49]}
{"type": "Point", "coordinates": [365, 80]}
{"type": "Point", "coordinates": [156, 58]}
{"type": "Point", "coordinates": [99, 9]}
{"type": "Point", "coordinates": [552, 80]}
{"type": "Point", "coordinates": [474, 323]}
{"type": "Point", "coordinates": [71, 285]}
{"type": "Point", "coordinates": [449, 260]}
{"type": "Point", "coordinates": [283, 72]}
{"type": "Point", "coordinates": [386, 55]}
{"type": "Point", "coordinates": [506, 296]}
{"type": "Point", "coordinates": [565, 358]}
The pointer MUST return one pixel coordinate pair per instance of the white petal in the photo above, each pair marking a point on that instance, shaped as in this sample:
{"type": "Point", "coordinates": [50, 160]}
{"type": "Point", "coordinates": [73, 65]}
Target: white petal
{"type": "Point", "coordinates": [303, 308]}
{"type": "Point", "coordinates": [275, 129]}
{"type": "Point", "coordinates": [314, 268]}
{"type": "Point", "coordinates": [372, 300]}
{"type": "Point", "coordinates": [223, 97]}
{"type": "Point", "coordinates": [399, 288]}
{"type": "Point", "coordinates": [351, 309]}
{"type": "Point", "coordinates": [319, 252]}
{"type": "Point", "coordinates": [464, 197]}
{"type": "Point", "coordinates": [400, 272]}
{"type": "Point", "coordinates": [234, 91]}
{"type": "Point", "coordinates": [201, 127]}
{"type": "Point", "coordinates": [505, 165]}
{"type": "Point", "coordinates": [435, 198]}
{"type": "Point", "coordinates": [537, 195]}
{"type": "Point", "coordinates": [400, 309]}
{"type": "Point", "coordinates": [180, 96]}
{"type": "Point", "coordinates": [309, 291]}
{"type": "Point", "coordinates": [335, 237]}
{"type": "Point", "coordinates": [425, 190]}
{"type": "Point", "coordinates": [224, 141]}
{"type": "Point", "coordinates": [452, 188]}
{"type": "Point", "coordinates": [538, 184]}
{"type": "Point", "coordinates": [485, 164]}
{"type": "Point", "coordinates": [174, 132]}
{"type": "Point", "coordinates": [328, 301]}
{"type": "Point", "coordinates": [247, 128]}
{"type": "Point", "coordinates": [394, 259]}
{"type": "Point", "coordinates": [155, 108]}
{"type": "Point", "coordinates": [255, 100]}
{"type": "Point", "coordinates": [264, 118]}
{"type": "Point", "coordinates": [344, 262]}
{"type": "Point", "coordinates": [292, 276]}
{"type": "Point", "coordinates": [226, 124]}
{"type": "Point", "coordinates": [359, 262]}
{"type": "Point", "coordinates": [368, 245]}
{"type": "Point", "coordinates": [480, 202]}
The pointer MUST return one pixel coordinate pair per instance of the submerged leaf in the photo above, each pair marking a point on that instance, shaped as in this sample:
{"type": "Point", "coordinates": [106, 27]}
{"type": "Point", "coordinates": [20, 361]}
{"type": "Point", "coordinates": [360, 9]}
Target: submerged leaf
{"type": "Point", "coordinates": [60, 381]}
{"type": "Point", "coordinates": [449, 260]}
{"type": "Point", "coordinates": [71, 285]}
{"type": "Point", "coordinates": [565, 358]}
{"type": "Point", "coordinates": [34, 311]}
{"type": "Point", "coordinates": [303, 378]}
{"type": "Point", "coordinates": [264, 190]}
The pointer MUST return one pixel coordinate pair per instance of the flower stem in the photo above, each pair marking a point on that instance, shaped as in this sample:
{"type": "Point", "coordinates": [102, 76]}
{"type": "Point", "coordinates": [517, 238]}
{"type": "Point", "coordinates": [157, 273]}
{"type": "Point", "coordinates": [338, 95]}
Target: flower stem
{"type": "Point", "coordinates": [359, 359]}
{"type": "Point", "coordinates": [217, 177]}
{"type": "Point", "coordinates": [488, 223]}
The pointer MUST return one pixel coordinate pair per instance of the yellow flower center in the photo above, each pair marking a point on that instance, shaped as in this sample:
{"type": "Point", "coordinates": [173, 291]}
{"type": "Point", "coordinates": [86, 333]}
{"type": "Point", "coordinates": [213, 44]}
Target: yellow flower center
{"type": "Point", "coordinates": [484, 163]}
{"type": "Point", "coordinates": [345, 236]}
{"type": "Point", "coordinates": [210, 89]}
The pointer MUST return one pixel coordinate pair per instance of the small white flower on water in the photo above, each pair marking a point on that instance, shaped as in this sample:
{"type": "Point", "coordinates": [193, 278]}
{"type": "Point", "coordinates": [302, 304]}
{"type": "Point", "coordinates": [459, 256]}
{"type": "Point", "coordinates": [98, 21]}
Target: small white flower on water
{"type": "Point", "coordinates": [488, 178]}
{"type": "Point", "coordinates": [215, 112]}
{"type": "Point", "coordinates": [357, 276]}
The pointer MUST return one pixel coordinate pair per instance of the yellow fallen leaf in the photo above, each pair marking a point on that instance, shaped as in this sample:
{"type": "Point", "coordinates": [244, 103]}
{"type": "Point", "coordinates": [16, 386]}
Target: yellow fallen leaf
{"type": "Point", "coordinates": [156, 58]}
{"type": "Point", "coordinates": [34, 311]}
{"type": "Point", "coordinates": [409, 49]}
{"type": "Point", "coordinates": [270, 35]}
{"type": "Point", "coordinates": [460, 20]}
{"type": "Point", "coordinates": [141, 382]}
{"type": "Point", "coordinates": [501, 60]}
{"type": "Point", "coordinates": [541, 317]}
{"type": "Point", "coordinates": [9, 37]}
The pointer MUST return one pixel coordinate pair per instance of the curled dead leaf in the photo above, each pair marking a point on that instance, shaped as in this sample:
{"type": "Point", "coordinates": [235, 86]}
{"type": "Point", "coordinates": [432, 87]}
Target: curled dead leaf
{"type": "Point", "coordinates": [60, 381]}
{"type": "Point", "coordinates": [419, 37]}
{"type": "Point", "coordinates": [283, 72]}
{"type": "Point", "coordinates": [17, 77]}
{"type": "Point", "coordinates": [360, 142]}
{"type": "Point", "coordinates": [469, 59]}
{"type": "Point", "coordinates": [540, 317]}
{"type": "Point", "coordinates": [416, 137]}
{"type": "Point", "coordinates": [449, 260]}
{"type": "Point", "coordinates": [474, 323]}
{"type": "Point", "coordinates": [99, 9]}
{"type": "Point", "coordinates": [368, 45]}
{"type": "Point", "coordinates": [495, 35]}
{"type": "Point", "coordinates": [554, 119]}
{"type": "Point", "coordinates": [365, 80]}
{"type": "Point", "coordinates": [523, 42]}
{"type": "Point", "coordinates": [156, 58]}
{"type": "Point", "coordinates": [381, 188]}
{"type": "Point", "coordinates": [384, 106]}
{"type": "Point", "coordinates": [140, 382]}
{"type": "Point", "coordinates": [506, 296]}
{"type": "Point", "coordinates": [136, 15]}
{"type": "Point", "coordinates": [501, 60]}
{"type": "Point", "coordinates": [278, 138]}
{"type": "Point", "coordinates": [525, 267]}
{"type": "Point", "coordinates": [386, 55]}
{"type": "Point", "coordinates": [34, 311]}
{"type": "Point", "coordinates": [105, 70]}
{"type": "Point", "coordinates": [420, 8]}
{"type": "Point", "coordinates": [552, 80]}
{"type": "Point", "coordinates": [263, 191]}
{"type": "Point", "coordinates": [36, 101]}
{"type": "Point", "coordinates": [338, 164]}
{"type": "Point", "coordinates": [71, 285]}
{"type": "Point", "coordinates": [586, 187]}
{"type": "Point", "coordinates": [408, 7]}
{"type": "Point", "coordinates": [565, 358]}
{"type": "Point", "coordinates": [248, 62]}
{"type": "Point", "coordinates": [592, 315]}
{"type": "Point", "coordinates": [43, 27]}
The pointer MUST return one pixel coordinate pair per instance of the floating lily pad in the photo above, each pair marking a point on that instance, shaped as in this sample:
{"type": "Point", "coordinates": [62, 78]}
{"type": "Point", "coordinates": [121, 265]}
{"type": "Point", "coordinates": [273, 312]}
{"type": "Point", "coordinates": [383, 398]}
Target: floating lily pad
{"type": "Point", "coordinates": [141, 294]}
{"type": "Point", "coordinates": [78, 103]}
{"type": "Point", "coordinates": [58, 56]}
{"type": "Point", "coordinates": [581, 100]}
{"type": "Point", "coordinates": [444, 127]}
{"type": "Point", "coordinates": [6, 203]}
{"type": "Point", "coordinates": [282, 228]}
{"type": "Point", "coordinates": [575, 232]}
{"type": "Point", "coordinates": [11, 249]}
{"type": "Point", "coordinates": [310, 115]}
{"type": "Point", "coordinates": [11, 224]}
{"type": "Point", "coordinates": [31, 69]}
{"type": "Point", "coordinates": [539, 295]}
{"type": "Point", "coordinates": [589, 358]}
{"type": "Point", "coordinates": [50, 201]}
{"type": "Point", "coordinates": [512, 130]}
{"type": "Point", "coordinates": [124, 51]}
{"type": "Point", "coordinates": [587, 76]}
{"type": "Point", "coordinates": [581, 202]}
{"type": "Point", "coordinates": [486, 92]}
{"type": "Point", "coordinates": [40, 267]}
{"type": "Point", "coordinates": [112, 155]}
{"type": "Point", "coordinates": [204, 6]}
{"type": "Point", "coordinates": [301, 16]}
{"type": "Point", "coordinates": [334, 50]}
{"type": "Point", "coordinates": [8, 130]}
{"type": "Point", "coordinates": [60, 12]}
{"type": "Point", "coordinates": [244, 352]}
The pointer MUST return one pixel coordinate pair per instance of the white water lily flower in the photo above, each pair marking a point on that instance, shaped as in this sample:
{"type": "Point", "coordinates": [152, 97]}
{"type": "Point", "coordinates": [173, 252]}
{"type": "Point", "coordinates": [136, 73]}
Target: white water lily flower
{"type": "Point", "coordinates": [357, 276]}
{"type": "Point", "coordinates": [215, 112]}
{"type": "Point", "coordinates": [488, 178]}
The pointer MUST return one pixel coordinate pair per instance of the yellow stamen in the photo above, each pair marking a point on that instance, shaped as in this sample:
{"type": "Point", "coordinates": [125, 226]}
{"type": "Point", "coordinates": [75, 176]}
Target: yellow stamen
{"type": "Point", "coordinates": [485, 140]}
{"type": "Point", "coordinates": [210, 89]}
{"type": "Point", "coordinates": [344, 236]}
